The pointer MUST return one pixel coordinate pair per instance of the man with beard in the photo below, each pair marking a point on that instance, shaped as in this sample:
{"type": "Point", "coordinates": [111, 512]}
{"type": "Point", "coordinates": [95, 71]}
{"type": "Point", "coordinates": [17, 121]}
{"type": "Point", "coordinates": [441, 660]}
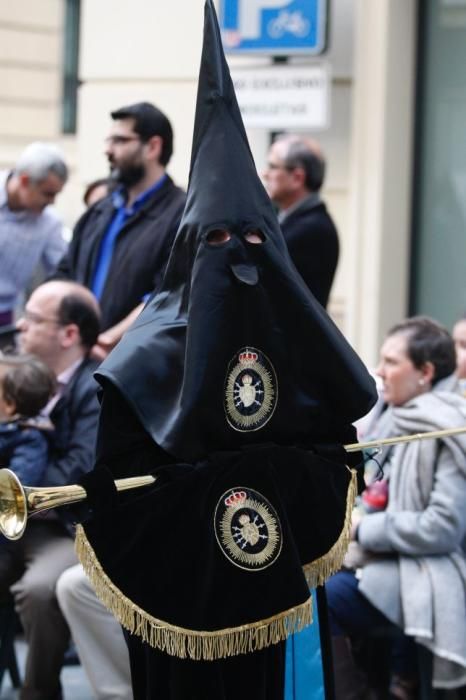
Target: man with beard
{"type": "Point", "coordinates": [121, 245]}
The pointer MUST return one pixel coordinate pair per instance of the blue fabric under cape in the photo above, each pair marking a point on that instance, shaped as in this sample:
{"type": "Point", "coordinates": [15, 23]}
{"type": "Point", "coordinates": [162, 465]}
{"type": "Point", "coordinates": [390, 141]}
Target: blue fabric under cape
{"type": "Point", "coordinates": [304, 677]}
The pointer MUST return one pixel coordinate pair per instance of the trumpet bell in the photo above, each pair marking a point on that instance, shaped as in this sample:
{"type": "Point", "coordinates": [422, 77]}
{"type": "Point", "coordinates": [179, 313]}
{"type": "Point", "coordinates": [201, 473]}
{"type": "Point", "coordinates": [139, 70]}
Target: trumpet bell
{"type": "Point", "coordinates": [13, 505]}
{"type": "Point", "coordinates": [18, 502]}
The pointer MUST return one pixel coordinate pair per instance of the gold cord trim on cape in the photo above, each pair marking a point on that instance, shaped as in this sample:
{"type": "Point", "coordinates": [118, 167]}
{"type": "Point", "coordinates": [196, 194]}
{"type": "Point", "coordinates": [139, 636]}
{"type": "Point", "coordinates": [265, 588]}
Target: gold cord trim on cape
{"type": "Point", "coordinates": [181, 642]}
{"type": "Point", "coordinates": [319, 570]}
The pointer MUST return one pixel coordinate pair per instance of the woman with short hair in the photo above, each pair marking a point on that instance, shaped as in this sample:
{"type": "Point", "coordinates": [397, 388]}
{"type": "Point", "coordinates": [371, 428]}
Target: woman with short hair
{"type": "Point", "coordinates": [407, 565]}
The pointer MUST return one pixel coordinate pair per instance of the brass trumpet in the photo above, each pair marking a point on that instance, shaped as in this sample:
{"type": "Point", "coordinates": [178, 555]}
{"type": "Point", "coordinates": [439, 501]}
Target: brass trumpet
{"type": "Point", "coordinates": [18, 502]}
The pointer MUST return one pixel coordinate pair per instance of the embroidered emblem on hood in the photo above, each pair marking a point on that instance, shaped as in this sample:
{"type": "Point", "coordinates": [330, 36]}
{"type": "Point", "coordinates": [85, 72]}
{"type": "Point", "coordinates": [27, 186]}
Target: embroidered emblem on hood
{"type": "Point", "coordinates": [251, 390]}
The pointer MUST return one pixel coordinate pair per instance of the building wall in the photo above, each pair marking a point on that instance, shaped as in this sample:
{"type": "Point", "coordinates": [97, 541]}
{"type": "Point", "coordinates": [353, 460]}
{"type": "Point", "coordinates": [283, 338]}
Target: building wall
{"type": "Point", "coordinates": [31, 59]}
{"type": "Point", "coordinates": [157, 59]}
{"type": "Point", "coordinates": [381, 158]}
{"type": "Point", "coordinates": [133, 50]}
{"type": "Point", "coordinates": [30, 71]}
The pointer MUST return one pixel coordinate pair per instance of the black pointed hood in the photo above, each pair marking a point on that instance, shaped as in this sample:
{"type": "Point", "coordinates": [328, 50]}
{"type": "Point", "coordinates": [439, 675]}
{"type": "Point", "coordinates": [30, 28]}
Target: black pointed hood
{"type": "Point", "coordinates": [235, 349]}
{"type": "Point", "coordinates": [223, 185]}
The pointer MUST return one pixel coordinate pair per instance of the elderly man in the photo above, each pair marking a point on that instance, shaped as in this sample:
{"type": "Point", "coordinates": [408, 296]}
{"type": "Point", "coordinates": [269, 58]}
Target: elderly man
{"type": "Point", "coordinates": [30, 232]}
{"type": "Point", "coordinates": [60, 325]}
{"type": "Point", "coordinates": [293, 178]}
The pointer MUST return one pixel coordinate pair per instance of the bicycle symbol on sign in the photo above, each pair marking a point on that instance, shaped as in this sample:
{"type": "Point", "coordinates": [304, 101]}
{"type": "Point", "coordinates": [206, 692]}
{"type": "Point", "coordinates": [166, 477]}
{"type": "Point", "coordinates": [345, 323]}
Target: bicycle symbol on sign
{"type": "Point", "coordinates": [292, 22]}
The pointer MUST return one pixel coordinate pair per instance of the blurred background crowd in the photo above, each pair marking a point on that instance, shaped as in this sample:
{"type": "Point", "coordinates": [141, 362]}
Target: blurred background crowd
{"type": "Point", "coordinates": [96, 114]}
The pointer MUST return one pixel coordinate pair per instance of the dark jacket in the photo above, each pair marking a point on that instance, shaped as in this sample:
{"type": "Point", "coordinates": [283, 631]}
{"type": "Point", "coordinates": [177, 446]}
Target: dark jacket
{"type": "Point", "coordinates": [140, 254]}
{"type": "Point", "coordinates": [24, 450]}
{"type": "Point", "coordinates": [312, 242]}
{"type": "Point", "coordinates": [75, 416]}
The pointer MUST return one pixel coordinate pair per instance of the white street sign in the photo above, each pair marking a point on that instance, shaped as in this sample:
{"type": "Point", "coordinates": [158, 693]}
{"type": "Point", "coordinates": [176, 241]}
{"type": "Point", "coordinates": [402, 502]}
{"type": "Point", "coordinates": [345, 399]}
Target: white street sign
{"type": "Point", "coordinates": [283, 96]}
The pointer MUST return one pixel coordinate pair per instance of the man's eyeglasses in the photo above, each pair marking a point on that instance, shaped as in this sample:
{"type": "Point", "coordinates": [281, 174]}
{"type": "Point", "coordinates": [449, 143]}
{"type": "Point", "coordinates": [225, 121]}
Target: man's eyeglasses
{"type": "Point", "coordinates": [116, 140]}
{"type": "Point", "coordinates": [32, 317]}
{"type": "Point", "coordinates": [277, 166]}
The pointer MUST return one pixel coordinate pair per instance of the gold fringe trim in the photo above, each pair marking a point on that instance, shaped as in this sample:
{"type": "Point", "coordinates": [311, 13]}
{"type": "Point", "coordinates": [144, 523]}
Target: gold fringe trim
{"type": "Point", "coordinates": [181, 642]}
{"type": "Point", "coordinates": [319, 570]}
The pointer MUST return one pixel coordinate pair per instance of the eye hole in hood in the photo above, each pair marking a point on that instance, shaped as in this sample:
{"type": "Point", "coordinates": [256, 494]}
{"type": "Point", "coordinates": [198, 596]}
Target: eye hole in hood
{"type": "Point", "coordinates": [218, 236]}
{"type": "Point", "coordinates": [254, 236]}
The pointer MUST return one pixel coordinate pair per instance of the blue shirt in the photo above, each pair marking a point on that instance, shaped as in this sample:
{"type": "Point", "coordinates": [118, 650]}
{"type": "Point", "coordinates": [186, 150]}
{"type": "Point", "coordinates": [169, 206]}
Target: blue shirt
{"type": "Point", "coordinates": [120, 217]}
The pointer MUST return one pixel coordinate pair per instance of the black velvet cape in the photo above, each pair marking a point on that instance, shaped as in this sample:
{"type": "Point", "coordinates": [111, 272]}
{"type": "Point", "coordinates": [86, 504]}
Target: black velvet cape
{"type": "Point", "coordinates": [157, 547]}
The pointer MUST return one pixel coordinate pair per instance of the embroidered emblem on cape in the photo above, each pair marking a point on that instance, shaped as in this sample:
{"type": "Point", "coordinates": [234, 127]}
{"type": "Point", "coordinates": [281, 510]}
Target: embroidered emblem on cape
{"type": "Point", "coordinates": [247, 529]}
{"type": "Point", "coordinates": [250, 390]}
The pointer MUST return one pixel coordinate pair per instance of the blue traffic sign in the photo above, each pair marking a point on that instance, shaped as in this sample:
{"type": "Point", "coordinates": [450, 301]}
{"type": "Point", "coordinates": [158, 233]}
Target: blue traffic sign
{"type": "Point", "coordinates": [277, 27]}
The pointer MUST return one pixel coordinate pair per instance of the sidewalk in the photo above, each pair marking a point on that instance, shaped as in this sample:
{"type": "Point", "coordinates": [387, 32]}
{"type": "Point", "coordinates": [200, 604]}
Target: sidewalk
{"type": "Point", "coordinates": [74, 682]}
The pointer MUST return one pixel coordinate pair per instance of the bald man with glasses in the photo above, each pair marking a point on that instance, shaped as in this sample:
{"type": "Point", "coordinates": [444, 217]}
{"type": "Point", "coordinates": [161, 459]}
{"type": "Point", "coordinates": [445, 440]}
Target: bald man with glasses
{"type": "Point", "coordinates": [60, 325]}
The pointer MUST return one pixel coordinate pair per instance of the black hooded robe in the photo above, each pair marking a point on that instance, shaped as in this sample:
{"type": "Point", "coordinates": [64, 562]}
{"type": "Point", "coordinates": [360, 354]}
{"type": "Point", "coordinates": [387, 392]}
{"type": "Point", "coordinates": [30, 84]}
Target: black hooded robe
{"type": "Point", "coordinates": [237, 391]}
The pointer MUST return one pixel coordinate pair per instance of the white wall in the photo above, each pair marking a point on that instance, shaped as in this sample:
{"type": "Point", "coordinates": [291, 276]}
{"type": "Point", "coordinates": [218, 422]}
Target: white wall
{"type": "Point", "coordinates": [381, 170]}
{"type": "Point", "coordinates": [138, 50]}
{"type": "Point", "coordinates": [149, 50]}
{"type": "Point", "coordinates": [30, 74]}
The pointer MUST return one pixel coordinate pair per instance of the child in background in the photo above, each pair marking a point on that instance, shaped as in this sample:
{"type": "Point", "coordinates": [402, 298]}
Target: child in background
{"type": "Point", "coordinates": [26, 385]}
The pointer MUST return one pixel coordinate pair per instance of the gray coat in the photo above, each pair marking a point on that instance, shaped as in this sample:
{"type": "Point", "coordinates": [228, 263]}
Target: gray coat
{"type": "Point", "coordinates": [419, 582]}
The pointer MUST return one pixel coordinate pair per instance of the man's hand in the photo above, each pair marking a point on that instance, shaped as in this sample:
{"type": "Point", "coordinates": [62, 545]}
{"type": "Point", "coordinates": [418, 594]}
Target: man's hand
{"type": "Point", "coordinates": [109, 338]}
{"type": "Point", "coordinates": [105, 344]}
